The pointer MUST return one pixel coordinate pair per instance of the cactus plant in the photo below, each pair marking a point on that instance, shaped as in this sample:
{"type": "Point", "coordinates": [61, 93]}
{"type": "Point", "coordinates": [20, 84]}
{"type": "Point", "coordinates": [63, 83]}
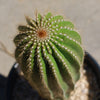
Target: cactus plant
{"type": "Point", "coordinates": [50, 54]}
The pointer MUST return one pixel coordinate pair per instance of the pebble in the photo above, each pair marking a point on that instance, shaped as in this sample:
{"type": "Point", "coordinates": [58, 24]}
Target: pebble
{"type": "Point", "coordinates": [86, 88]}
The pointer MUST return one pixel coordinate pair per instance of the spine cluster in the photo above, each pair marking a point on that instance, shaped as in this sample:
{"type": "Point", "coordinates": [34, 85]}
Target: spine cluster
{"type": "Point", "coordinates": [50, 54]}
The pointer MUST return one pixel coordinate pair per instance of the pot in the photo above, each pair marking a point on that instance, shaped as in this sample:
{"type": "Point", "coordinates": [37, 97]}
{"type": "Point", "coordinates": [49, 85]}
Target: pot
{"type": "Point", "coordinates": [14, 74]}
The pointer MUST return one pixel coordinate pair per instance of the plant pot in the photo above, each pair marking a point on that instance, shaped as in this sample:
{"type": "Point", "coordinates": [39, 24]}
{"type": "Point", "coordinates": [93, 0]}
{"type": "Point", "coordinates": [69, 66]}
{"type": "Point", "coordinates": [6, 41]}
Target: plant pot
{"type": "Point", "coordinates": [14, 74]}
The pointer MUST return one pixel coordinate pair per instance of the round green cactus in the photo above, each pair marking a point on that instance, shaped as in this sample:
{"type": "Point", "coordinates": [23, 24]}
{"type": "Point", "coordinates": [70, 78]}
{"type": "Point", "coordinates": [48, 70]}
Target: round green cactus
{"type": "Point", "coordinates": [50, 55]}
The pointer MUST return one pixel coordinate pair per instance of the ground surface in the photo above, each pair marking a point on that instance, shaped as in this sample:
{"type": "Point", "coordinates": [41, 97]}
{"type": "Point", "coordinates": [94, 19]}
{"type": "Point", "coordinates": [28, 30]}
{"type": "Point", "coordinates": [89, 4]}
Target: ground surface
{"type": "Point", "coordinates": [84, 13]}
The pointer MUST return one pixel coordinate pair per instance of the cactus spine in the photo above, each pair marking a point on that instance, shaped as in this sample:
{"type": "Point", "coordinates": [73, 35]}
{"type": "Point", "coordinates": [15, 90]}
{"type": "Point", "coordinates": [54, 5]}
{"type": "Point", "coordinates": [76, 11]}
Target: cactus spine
{"type": "Point", "coordinates": [50, 54]}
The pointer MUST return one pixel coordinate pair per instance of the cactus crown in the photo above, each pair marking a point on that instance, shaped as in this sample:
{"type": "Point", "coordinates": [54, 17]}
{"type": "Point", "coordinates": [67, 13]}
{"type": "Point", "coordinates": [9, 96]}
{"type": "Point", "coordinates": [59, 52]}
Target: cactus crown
{"type": "Point", "coordinates": [49, 52]}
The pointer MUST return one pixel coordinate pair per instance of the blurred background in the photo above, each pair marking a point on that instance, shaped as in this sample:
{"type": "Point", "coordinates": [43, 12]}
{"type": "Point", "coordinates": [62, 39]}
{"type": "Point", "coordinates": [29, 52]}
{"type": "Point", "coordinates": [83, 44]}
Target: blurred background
{"type": "Point", "coordinates": [85, 14]}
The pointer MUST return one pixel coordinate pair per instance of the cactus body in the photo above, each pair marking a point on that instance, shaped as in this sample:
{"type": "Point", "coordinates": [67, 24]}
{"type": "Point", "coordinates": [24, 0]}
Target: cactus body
{"type": "Point", "coordinates": [50, 55]}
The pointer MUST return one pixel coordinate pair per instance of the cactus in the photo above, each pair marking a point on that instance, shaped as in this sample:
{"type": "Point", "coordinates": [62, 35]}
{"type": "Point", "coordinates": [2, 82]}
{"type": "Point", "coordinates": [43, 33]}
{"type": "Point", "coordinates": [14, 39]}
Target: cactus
{"type": "Point", "coordinates": [49, 52]}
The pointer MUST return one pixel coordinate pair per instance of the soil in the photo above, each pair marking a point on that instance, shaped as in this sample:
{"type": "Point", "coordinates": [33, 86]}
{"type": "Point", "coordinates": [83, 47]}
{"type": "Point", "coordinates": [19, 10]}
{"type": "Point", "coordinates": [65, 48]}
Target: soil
{"type": "Point", "coordinates": [87, 88]}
